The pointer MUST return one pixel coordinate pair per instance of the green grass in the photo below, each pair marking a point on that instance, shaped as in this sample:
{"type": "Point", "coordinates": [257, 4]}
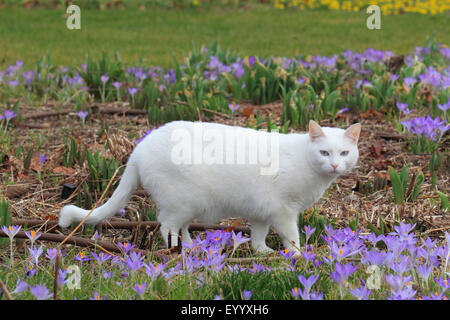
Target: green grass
{"type": "Point", "coordinates": [154, 35]}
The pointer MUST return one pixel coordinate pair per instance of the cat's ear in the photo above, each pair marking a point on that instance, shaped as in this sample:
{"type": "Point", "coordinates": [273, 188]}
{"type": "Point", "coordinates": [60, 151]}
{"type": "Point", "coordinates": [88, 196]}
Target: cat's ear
{"type": "Point", "coordinates": [353, 132]}
{"type": "Point", "coordinates": [315, 131]}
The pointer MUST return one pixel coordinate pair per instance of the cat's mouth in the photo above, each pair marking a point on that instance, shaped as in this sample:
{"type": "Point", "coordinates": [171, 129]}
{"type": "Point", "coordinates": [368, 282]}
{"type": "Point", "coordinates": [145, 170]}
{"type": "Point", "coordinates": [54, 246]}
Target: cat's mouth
{"type": "Point", "coordinates": [336, 171]}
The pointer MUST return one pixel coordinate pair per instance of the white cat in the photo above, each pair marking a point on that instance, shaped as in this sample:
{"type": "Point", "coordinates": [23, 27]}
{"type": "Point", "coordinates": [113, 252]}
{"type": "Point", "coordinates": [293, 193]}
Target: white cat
{"type": "Point", "coordinates": [182, 166]}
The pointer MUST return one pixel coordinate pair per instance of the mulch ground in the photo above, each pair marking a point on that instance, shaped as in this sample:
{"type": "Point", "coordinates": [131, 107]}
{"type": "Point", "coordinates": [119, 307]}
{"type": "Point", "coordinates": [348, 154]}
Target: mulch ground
{"type": "Point", "coordinates": [351, 196]}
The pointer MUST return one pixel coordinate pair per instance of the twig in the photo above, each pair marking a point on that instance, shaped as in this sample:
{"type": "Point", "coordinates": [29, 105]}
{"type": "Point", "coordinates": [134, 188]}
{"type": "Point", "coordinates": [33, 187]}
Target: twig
{"type": "Point", "coordinates": [437, 229]}
{"type": "Point", "coordinates": [6, 291]}
{"type": "Point", "coordinates": [124, 111]}
{"type": "Point", "coordinates": [55, 282]}
{"type": "Point", "coordinates": [215, 112]}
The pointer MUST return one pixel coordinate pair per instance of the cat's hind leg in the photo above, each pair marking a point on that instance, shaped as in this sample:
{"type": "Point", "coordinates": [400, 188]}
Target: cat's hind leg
{"type": "Point", "coordinates": [258, 236]}
{"type": "Point", "coordinates": [185, 235]}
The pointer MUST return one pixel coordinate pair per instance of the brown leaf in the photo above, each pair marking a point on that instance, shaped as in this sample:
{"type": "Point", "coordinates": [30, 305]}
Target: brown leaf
{"type": "Point", "coordinates": [51, 217]}
{"type": "Point", "coordinates": [248, 111]}
{"type": "Point", "coordinates": [34, 163]}
{"type": "Point", "coordinates": [235, 224]}
{"type": "Point", "coordinates": [372, 114]}
{"type": "Point", "coordinates": [64, 170]}
{"type": "Point", "coordinates": [376, 149]}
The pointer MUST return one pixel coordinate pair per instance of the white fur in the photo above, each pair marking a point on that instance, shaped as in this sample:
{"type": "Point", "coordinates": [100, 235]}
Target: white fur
{"type": "Point", "coordinates": [211, 192]}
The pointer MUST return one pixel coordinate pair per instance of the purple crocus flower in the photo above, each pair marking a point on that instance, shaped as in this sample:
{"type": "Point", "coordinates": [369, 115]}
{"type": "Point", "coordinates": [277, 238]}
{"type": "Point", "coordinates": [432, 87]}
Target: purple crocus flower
{"type": "Point", "coordinates": [132, 91]}
{"type": "Point", "coordinates": [402, 266]}
{"type": "Point", "coordinates": [40, 292]}
{"type": "Point", "coordinates": [361, 293]}
{"type": "Point", "coordinates": [435, 296]}
{"type": "Point", "coordinates": [342, 272]}
{"type": "Point", "coordinates": [308, 254]}
{"type": "Point", "coordinates": [295, 292]}
{"type": "Point", "coordinates": [306, 295]}
{"type": "Point", "coordinates": [11, 231]}
{"type": "Point", "coordinates": [427, 127]}
{"type": "Point", "coordinates": [21, 286]}
{"type": "Point", "coordinates": [82, 114]}
{"type": "Point", "coordinates": [443, 283]}
{"type": "Point", "coordinates": [403, 107]}
{"type": "Point", "coordinates": [444, 107]}
{"type": "Point", "coordinates": [61, 277]}
{"type": "Point", "coordinates": [140, 288]}
{"type": "Point", "coordinates": [374, 257]}
{"type": "Point", "coordinates": [28, 76]}
{"type": "Point", "coordinates": [394, 77]}
{"type": "Point", "coordinates": [238, 69]}
{"type": "Point", "coordinates": [52, 254]}
{"type": "Point", "coordinates": [96, 296]}
{"type": "Point", "coordinates": [33, 236]}
{"type": "Point", "coordinates": [106, 274]}
{"type": "Point", "coordinates": [104, 78]}
{"type": "Point", "coordinates": [424, 271]}
{"type": "Point", "coordinates": [9, 114]}
{"type": "Point", "coordinates": [233, 106]}
{"type": "Point", "coordinates": [316, 296]}
{"type": "Point", "coordinates": [308, 231]}
{"type": "Point", "coordinates": [403, 294]}
{"type": "Point", "coordinates": [30, 272]}
{"type": "Point", "coordinates": [121, 212]}
{"type": "Point", "coordinates": [247, 294]}
{"type": "Point", "coordinates": [301, 80]}
{"type": "Point", "coordinates": [409, 81]}
{"type": "Point", "coordinates": [403, 228]}
{"type": "Point", "coordinates": [96, 235]}
{"type": "Point", "coordinates": [286, 253]}
{"type": "Point", "coordinates": [116, 84]}
{"type": "Point", "coordinates": [153, 270]}
{"type": "Point", "coordinates": [251, 61]}
{"type": "Point", "coordinates": [257, 267]}
{"type": "Point", "coordinates": [101, 257]}
{"type": "Point", "coordinates": [125, 247]}
{"type": "Point", "coordinates": [343, 110]}
{"type": "Point", "coordinates": [316, 262]}
{"type": "Point", "coordinates": [134, 261]}
{"type": "Point", "coordinates": [42, 159]}
{"type": "Point", "coordinates": [82, 257]}
{"type": "Point", "coordinates": [307, 282]}
{"type": "Point", "coordinates": [397, 282]}
{"type": "Point", "coordinates": [238, 239]}
{"type": "Point", "coordinates": [12, 83]}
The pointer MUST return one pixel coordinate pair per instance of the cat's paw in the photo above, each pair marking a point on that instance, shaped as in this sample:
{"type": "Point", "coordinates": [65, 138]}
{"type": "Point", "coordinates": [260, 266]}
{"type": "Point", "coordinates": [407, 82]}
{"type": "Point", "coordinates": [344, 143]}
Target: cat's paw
{"type": "Point", "coordinates": [263, 249]}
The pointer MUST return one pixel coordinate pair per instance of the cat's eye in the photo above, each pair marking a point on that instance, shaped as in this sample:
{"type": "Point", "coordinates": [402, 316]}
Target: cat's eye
{"type": "Point", "coordinates": [344, 153]}
{"type": "Point", "coordinates": [324, 153]}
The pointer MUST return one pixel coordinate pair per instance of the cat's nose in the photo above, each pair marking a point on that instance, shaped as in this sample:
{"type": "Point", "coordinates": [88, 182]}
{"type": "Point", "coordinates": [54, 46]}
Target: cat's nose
{"type": "Point", "coordinates": [334, 166]}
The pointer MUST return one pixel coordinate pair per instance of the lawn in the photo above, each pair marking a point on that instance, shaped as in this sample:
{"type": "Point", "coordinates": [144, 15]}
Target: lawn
{"type": "Point", "coordinates": [155, 35]}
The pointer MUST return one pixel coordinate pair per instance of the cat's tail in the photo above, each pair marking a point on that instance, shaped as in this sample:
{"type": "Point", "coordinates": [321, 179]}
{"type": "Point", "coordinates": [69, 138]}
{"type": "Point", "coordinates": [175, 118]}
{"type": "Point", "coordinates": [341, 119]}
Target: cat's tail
{"type": "Point", "coordinates": [128, 184]}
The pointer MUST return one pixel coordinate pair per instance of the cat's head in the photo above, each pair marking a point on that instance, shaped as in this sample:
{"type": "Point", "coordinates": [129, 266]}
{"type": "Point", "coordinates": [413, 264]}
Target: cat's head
{"type": "Point", "coordinates": [332, 151]}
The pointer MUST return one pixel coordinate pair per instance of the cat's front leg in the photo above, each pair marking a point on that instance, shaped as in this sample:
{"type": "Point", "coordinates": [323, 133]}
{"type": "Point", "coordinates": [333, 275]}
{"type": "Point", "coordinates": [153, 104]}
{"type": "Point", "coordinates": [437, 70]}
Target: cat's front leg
{"type": "Point", "coordinates": [287, 229]}
{"type": "Point", "coordinates": [259, 233]}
